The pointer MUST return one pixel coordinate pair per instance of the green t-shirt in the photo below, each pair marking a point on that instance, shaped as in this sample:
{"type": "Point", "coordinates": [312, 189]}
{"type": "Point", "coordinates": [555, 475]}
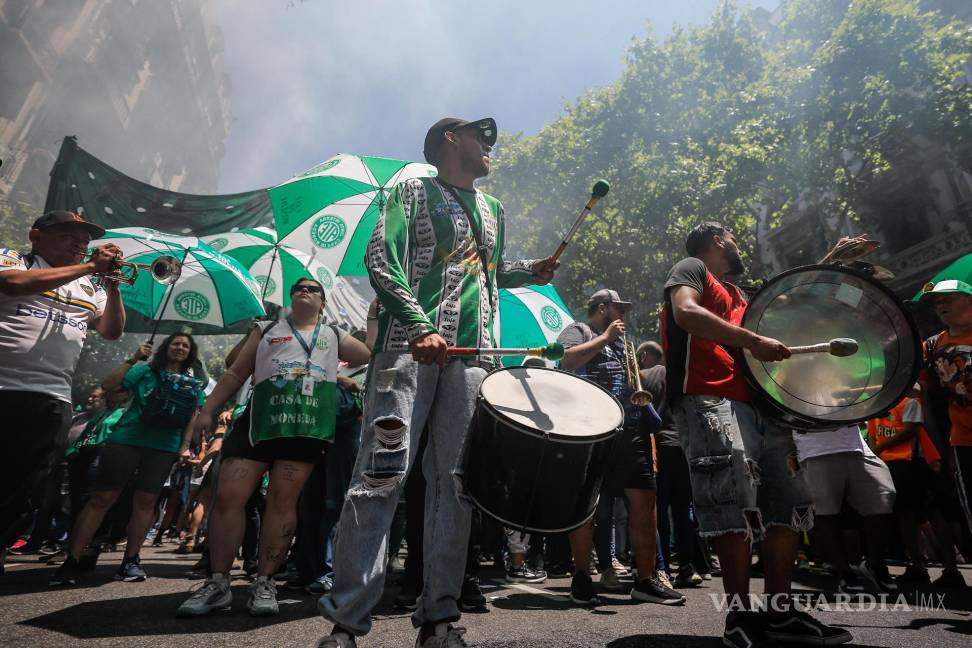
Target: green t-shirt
{"type": "Point", "coordinates": [96, 432]}
{"type": "Point", "coordinates": [130, 430]}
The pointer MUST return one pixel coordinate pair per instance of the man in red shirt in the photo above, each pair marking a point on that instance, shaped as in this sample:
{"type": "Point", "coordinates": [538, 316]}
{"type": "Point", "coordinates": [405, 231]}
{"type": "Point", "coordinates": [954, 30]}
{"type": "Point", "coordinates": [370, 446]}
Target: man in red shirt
{"type": "Point", "coordinates": [746, 480]}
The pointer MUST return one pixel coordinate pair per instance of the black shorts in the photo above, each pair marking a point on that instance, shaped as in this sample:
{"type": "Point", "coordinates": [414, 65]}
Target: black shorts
{"type": "Point", "coordinates": [630, 465]}
{"type": "Point", "coordinates": [118, 462]}
{"type": "Point", "coordinates": [237, 444]}
{"type": "Point", "coordinates": [912, 481]}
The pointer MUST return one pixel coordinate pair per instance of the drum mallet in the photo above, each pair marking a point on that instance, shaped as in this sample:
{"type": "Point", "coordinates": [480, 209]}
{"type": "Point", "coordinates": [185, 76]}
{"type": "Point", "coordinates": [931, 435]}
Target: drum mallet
{"type": "Point", "coordinates": [601, 187]}
{"type": "Point", "coordinates": [839, 347]}
{"type": "Point", "coordinates": [553, 351]}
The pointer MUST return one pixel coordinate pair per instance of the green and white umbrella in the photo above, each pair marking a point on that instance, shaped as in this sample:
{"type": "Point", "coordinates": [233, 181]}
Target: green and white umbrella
{"type": "Point", "coordinates": [275, 267]}
{"type": "Point", "coordinates": [330, 210]}
{"type": "Point", "coordinates": [212, 292]}
{"type": "Point", "coordinates": [529, 317]}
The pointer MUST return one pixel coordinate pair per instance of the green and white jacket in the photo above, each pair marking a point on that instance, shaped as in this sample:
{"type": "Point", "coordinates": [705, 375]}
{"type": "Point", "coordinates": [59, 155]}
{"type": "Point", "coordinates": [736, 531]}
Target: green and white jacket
{"type": "Point", "coordinates": [423, 264]}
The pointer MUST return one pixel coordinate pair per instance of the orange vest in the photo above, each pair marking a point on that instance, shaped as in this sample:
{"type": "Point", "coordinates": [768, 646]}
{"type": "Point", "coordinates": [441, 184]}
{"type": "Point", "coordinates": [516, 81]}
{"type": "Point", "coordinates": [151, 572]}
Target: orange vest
{"type": "Point", "coordinates": [882, 429]}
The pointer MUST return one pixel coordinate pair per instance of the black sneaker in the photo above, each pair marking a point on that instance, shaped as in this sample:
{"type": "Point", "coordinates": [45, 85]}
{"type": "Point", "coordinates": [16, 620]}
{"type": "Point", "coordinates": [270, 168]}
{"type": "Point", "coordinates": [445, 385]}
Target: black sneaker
{"type": "Point", "coordinates": [89, 557]}
{"type": "Point", "coordinates": [883, 577]}
{"type": "Point", "coordinates": [951, 579]}
{"type": "Point", "coordinates": [799, 627]}
{"type": "Point", "coordinates": [525, 574]}
{"type": "Point", "coordinates": [131, 571]}
{"type": "Point", "coordinates": [406, 598]}
{"type": "Point", "coordinates": [67, 574]}
{"type": "Point", "coordinates": [557, 570]}
{"type": "Point", "coordinates": [746, 630]}
{"type": "Point", "coordinates": [471, 597]}
{"type": "Point", "coordinates": [652, 590]}
{"type": "Point", "coordinates": [913, 576]}
{"type": "Point", "coordinates": [582, 590]}
{"type": "Point", "coordinates": [850, 583]}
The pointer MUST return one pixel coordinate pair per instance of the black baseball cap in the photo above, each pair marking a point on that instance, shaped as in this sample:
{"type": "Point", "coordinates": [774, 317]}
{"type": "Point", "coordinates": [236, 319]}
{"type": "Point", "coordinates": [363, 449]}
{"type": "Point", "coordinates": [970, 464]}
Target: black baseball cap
{"type": "Point", "coordinates": [486, 126]}
{"type": "Point", "coordinates": [64, 217]}
{"type": "Point", "coordinates": [606, 296]}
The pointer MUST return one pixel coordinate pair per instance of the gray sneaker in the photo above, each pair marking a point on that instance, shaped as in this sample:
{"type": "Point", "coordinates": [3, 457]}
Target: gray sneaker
{"type": "Point", "coordinates": [609, 580]}
{"type": "Point", "coordinates": [263, 598]}
{"type": "Point", "coordinates": [444, 636]}
{"type": "Point", "coordinates": [339, 640]}
{"type": "Point", "coordinates": [131, 571]}
{"type": "Point", "coordinates": [215, 594]}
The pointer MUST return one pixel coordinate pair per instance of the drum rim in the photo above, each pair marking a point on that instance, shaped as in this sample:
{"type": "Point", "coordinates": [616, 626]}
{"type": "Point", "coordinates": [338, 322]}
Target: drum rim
{"type": "Point", "coordinates": [552, 436]}
{"type": "Point", "coordinates": [814, 422]}
{"type": "Point", "coordinates": [532, 529]}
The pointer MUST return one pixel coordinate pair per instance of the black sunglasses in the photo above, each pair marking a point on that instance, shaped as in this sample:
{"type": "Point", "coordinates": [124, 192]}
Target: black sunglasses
{"type": "Point", "coordinates": [315, 290]}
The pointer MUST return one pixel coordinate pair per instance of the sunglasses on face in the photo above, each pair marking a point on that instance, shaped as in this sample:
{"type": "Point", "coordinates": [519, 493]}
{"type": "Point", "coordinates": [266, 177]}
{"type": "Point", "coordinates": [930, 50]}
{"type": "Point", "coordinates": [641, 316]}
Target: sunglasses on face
{"type": "Point", "coordinates": [308, 288]}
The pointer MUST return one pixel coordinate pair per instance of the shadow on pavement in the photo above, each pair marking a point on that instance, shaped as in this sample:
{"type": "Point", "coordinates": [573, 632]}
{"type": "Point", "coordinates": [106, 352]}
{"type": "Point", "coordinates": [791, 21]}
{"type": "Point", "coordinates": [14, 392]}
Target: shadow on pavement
{"type": "Point", "coordinates": [35, 578]}
{"type": "Point", "coordinates": [155, 615]}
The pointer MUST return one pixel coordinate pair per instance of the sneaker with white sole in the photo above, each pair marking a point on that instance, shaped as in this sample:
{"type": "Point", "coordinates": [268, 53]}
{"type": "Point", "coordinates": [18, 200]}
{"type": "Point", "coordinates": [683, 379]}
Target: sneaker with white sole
{"type": "Point", "coordinates": [652, 590]}
{"type": "Point", "coordinates": [525, 574]}
{"type": "Point", "coordinates": [263, 598]}
{"type": "Point", "coordinates": [444, 636]}
{"type": "Point", "coordinates": [131, 571]}
{"type": "Point", "coordinates": [799, 627]}
{"type": "Point", "coordinates": [214, 594]}
{"type": "Point", "coordinates": [688, 578]}
{"type": "Point", "coordinates": [609, 580]}
{"type": "Point", "coordinates": [337, 640]}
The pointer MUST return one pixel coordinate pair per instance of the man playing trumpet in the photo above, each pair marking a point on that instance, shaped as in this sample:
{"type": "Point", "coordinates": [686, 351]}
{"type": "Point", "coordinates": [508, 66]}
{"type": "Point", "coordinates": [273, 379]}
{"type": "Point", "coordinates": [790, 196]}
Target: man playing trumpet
{"type": "Point", "coordinates": [597, 350]}
{"type": "Point", "coordinates": [47, 304]}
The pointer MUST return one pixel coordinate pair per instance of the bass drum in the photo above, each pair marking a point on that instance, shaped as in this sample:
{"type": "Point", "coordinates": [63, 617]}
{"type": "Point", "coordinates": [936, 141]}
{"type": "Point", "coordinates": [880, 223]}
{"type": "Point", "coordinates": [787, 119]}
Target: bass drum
{"type": "Point", "coordinates": [536, 454]}
{"type": "Point", "coordinates": [818, 391]}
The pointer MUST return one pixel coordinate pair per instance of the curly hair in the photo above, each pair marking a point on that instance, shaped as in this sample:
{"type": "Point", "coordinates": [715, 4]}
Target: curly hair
{"type": "Point", "coordinates": [161, 356]}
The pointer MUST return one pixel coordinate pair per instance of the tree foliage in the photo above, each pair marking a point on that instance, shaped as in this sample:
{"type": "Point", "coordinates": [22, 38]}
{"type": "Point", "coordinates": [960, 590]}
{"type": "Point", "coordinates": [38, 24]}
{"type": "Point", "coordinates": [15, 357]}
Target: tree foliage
{"type": "Point", "coordinates": [742, 119]}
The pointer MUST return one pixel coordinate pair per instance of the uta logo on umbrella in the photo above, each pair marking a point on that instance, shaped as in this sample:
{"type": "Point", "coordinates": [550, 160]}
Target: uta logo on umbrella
{"type": "Point", "coordinates": [267, 285]}
{"type": "Point", "coordinates": [328, 231]}
{"type": "Point", "coordinates": [192, 305]}
{"type": "Point", "coordinates": [551, 318]}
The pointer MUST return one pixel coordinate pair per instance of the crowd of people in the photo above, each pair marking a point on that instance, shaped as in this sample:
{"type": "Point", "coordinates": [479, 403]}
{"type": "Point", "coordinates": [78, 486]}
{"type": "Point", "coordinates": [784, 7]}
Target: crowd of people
{"type": "Point", "coordinates": [300, 462]}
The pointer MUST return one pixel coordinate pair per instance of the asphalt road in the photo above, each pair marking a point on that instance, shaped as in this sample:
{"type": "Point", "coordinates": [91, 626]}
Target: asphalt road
{"type": "Point", "coordinates": [105, 613]}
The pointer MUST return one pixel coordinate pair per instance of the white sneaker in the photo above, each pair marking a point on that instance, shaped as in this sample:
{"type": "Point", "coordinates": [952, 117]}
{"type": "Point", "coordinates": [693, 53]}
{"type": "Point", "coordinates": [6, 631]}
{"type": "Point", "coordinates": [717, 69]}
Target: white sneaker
{"type": "Point", "coordinates": [215, 594]}
{"type": "Point", "coordinates": [444, 636]}
{"type": "Point", "coordinates": [609, 580]}
{"type": "Point", "coordinates": [263, 598]}
{"type": "Point", "coordinates": [619, 567]}
{"type": "Point", "coordinates": [663, 577]}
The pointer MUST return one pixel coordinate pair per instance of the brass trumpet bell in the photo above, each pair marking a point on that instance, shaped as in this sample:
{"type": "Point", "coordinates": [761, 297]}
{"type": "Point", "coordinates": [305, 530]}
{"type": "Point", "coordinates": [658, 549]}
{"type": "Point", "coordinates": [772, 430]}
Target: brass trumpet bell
{"type": "Point", "coordinates": [165, 269]}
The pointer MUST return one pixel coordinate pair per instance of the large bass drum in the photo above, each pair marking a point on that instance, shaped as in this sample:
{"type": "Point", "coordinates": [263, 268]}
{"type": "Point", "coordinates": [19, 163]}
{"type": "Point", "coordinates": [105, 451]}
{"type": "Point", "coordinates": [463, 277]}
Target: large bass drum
{"type": "Point", "coordinates": [537, 450]}
{"type": "Point", "coordinates": [818, 391]}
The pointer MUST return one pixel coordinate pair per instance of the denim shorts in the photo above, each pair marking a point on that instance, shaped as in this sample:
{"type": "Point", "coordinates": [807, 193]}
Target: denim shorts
{"type": "Point", "coordinates": [744, 469]}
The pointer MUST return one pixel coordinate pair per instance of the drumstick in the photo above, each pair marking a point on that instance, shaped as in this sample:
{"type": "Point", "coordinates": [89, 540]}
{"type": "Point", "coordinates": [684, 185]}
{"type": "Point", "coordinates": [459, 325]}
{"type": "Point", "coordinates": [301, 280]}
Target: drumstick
{"type": "Point", "coordinates": [840, 347]}
{"type": "Point", "coordinates": [600, 190]}
{"type": "Point", "coordinates": [553, 351]}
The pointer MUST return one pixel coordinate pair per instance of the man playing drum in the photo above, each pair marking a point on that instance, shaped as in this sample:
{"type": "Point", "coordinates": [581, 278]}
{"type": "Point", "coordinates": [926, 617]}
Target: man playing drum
{"type": "Point", "coordinates": [595, 350]}
{"type": "Point", "coordinates": [746, 481]}
{"type": "Point", "coordinates": [436, 261]}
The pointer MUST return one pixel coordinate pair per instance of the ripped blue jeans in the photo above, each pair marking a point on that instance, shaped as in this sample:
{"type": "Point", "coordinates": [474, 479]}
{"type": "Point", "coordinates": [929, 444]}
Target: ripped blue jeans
{"type": "Point", "coordinates": [402, 399]}
{"type": "Point", "coordinates": [744, 469]}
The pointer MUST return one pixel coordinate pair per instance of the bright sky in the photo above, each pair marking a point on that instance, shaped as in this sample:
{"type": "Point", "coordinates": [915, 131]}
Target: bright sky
{"type": "Point", "coordinates": [314, 78]}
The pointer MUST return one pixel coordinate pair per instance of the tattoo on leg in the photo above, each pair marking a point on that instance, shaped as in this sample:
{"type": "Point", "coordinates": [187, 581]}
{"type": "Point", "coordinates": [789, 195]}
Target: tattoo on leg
{"type": "Point", "coordinates": [288, 472]}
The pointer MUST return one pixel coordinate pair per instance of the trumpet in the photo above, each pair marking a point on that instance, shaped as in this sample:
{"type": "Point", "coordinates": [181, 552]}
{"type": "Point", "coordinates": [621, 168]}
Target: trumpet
{"type": "Point", "coordinates": [165, 269]}
{"type": "Point", "coordinates": [639, 397]}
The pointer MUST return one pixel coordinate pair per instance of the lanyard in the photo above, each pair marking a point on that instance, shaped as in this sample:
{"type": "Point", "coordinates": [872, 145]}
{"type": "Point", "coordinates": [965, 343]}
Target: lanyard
{"type": "Point", "coordinates": [308, 349]}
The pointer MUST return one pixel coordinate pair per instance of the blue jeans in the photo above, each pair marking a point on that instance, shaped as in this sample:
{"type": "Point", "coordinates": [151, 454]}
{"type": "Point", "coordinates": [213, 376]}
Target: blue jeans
{"type": "Point", "coordinates": [401, 397]}
{"type": "Point", "coordinates": [744, 469]}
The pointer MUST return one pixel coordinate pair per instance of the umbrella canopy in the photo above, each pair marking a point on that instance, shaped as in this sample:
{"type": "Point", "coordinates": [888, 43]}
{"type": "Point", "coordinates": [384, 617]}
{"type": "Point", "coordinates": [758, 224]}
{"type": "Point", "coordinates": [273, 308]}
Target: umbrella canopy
{"type": "Point", "coordinates": [960, 269]}
{"type": "Point", "coordinates": [275, 267]}
{"type": "Point", "coordinates": [529, 317]}
{"type": "Point", "coordinates": [329, 211]}
{"type": "Point", "coordinates": [211, 293]}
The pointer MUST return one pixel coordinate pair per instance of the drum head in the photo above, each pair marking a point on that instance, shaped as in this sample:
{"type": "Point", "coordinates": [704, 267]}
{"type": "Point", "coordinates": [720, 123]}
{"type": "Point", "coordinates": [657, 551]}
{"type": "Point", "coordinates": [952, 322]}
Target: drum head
{"type": "Point", "coordinates": [552, 402]}
{"type": "Point", "coordinates": [814, 304]}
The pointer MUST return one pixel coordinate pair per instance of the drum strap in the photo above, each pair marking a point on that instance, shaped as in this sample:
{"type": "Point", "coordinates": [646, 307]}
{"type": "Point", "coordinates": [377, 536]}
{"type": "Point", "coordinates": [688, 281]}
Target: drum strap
{"type": "Point", "coordinates": [480, 248]}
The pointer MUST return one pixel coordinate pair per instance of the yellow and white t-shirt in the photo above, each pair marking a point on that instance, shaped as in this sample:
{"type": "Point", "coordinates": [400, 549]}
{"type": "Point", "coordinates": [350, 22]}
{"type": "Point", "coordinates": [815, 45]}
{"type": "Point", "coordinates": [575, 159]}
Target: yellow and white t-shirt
{"type": "Point", "coordinates": [41, 335]}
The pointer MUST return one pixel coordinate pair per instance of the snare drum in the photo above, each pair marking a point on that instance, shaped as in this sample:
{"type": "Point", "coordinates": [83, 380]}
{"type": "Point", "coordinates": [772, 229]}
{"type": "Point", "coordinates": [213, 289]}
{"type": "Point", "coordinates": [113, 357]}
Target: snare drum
{"type": "Point", "coordinates": [538, 447]}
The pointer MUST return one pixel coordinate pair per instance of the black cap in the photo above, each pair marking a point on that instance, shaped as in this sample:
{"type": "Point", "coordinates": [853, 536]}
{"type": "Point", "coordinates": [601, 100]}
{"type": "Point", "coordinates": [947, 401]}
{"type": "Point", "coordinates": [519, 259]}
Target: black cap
{"type": "Point", "coordinates": [63, 217]}
{"type": "Point", "coordinates": [606, 296]}
{"type": "Point", "coordinates": [486, 126]}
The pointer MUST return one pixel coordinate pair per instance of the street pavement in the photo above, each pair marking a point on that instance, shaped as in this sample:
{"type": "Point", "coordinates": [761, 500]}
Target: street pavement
{"type": "Point", "coordinates": [104, 613]}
